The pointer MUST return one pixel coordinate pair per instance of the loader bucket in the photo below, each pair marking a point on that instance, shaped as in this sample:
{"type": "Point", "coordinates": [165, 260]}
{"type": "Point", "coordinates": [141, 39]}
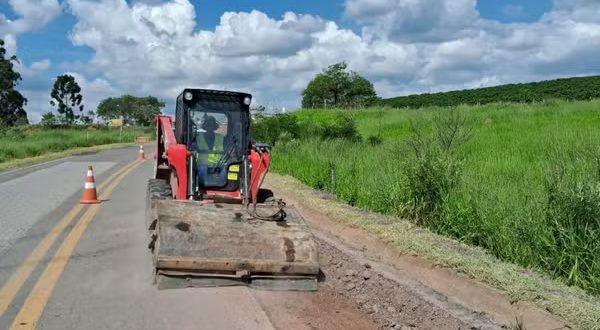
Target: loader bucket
{"type": "Point", "coordinates": [203, 245]}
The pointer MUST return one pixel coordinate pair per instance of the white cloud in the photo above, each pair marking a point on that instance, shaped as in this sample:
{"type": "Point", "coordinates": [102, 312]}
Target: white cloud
{"type": "Point", "coordinates": [10, 44]}
{"type": "Point", "coordinates": [405, 46]}
{"type": "Point", "coordinates": [35, 87]}
{"type": "Point", "coordinates": [414, 20]}
{"type": "Point", "coordinates": [254, 33]}
{"type": "Point", "coordinates": [456, 48]}
{"type": "Point", "coordinates": [38, 103]}
{"type": "Point", "coordinates": [32, 14]}
{"type": "Point", "coordinates": [32, 72]}
{"type": "Point", "coordinates": [42, 65]}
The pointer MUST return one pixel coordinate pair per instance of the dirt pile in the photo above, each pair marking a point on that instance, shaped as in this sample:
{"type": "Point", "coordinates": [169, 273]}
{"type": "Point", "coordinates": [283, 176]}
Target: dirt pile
{"type": "Point", "coordinates": [387, 302]}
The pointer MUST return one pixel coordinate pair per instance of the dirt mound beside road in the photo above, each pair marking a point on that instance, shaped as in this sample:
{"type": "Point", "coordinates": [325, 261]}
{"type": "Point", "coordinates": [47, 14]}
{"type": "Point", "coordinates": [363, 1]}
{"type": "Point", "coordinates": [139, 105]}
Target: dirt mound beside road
{"type": "Point", "coordinates": [390, 303]}
{"type": "Point", "coordinates": [357, 294]}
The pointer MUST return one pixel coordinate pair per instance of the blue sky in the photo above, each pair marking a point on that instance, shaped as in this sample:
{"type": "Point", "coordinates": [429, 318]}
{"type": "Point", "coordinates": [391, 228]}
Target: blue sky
{"type": "Point", "coordinates": [513, 11]}
{"type": "Point", "coordinates": [402, 46]}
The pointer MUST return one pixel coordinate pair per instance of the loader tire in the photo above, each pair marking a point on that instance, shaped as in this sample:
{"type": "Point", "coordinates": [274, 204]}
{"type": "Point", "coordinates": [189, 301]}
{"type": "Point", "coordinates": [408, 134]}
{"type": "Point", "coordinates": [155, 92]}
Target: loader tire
{"type": "Point", "coordinates": [157, 189]}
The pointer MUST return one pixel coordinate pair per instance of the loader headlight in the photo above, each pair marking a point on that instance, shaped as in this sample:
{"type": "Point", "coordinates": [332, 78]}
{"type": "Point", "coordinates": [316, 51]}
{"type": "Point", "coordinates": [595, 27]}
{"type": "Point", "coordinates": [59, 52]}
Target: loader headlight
{"type": "Point", "coordinates": [247, 100]}
{"type": "Point", "coordinates": [188, 96]}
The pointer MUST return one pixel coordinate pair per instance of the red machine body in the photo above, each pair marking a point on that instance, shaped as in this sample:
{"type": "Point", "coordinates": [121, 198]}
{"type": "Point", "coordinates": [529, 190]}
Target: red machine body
{"type": "Point", "coordinates": [172, 165]}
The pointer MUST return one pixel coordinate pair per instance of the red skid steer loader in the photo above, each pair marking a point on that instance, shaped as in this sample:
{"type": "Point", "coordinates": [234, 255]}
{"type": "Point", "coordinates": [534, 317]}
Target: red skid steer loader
{"type": "Point", "coordinates": [210, 222]}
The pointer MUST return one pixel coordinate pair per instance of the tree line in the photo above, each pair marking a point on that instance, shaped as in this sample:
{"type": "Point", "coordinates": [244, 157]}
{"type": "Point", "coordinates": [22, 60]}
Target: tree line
{"type": "Point", "coordinates": [571, 89]}
{"type": "Point", "coordinates": [132, 110]}
{"type": "Point", "coordinates": [67, 99]}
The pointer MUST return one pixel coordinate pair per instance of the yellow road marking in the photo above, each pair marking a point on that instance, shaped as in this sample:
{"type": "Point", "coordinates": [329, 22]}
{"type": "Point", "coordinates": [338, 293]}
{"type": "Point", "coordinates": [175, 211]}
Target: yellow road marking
{"type": "Point", "coordinates": [16, 281]}
{"type": "Point", "coordinates": [32, 309]}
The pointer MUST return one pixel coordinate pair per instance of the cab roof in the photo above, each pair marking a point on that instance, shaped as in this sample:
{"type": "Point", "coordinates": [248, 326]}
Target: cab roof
{"type": "Point", "coordinates": [215, 95]}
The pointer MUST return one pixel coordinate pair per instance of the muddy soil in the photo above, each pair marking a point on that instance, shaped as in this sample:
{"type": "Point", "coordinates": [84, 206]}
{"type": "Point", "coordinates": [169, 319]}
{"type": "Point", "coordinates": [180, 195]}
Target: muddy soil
{"type": "Point", "coordinates": [390, 304]}
{"type": "Point", "coordinates": [356, 293]}
{"type": "Point", "coordinates": [322, 310]}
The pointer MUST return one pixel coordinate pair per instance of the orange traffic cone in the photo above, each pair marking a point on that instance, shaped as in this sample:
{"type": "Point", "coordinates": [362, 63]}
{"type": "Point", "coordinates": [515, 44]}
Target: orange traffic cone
{"type": "Point", "coordinates": [89, 190]}
{"type": "Point", "coordinates": [142, 155]}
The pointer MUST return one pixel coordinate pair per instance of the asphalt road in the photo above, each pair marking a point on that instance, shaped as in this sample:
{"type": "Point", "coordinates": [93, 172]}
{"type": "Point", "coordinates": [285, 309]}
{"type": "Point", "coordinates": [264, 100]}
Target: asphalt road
{"type": "Point", "coordinates": [68, 266]}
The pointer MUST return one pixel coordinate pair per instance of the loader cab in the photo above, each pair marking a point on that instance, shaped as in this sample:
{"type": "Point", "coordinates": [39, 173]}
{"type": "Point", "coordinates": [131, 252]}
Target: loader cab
{"type": "Point", "coordinates": [214, 125]}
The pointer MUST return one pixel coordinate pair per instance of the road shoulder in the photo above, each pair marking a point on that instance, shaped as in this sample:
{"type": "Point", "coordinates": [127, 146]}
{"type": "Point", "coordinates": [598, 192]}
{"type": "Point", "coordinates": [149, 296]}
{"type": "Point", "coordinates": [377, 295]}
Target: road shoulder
{"type": "Point", "coordinates": [465, 275]}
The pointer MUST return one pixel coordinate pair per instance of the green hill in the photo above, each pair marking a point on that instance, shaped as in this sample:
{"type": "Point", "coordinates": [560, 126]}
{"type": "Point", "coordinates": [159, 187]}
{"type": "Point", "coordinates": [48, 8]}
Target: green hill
{"type": "Point", "coordinates": [572, 89]}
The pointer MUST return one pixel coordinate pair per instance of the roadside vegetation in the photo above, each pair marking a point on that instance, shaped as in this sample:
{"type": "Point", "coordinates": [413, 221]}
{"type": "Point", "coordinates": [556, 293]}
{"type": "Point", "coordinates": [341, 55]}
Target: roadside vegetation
{"type": "Point", "coordinates": [67, 128]}
{"type": "Point", "coordinates": [521, 180]}
{"type": "Point", "coordinates": [33, 141]}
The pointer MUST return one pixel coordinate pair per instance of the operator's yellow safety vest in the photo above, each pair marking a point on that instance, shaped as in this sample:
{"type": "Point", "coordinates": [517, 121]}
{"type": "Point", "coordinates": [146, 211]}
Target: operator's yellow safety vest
{"type": "Point", "coordinates": [213, 158]}
{"type": "Point", "coordinates": [209, 158]}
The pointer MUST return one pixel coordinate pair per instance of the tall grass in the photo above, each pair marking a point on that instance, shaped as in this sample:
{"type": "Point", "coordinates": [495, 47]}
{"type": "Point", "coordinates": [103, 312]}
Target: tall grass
{"type": "Point", "coordinates": [31, 141]}
{"type": "Point", "coordinates": [524, 183]}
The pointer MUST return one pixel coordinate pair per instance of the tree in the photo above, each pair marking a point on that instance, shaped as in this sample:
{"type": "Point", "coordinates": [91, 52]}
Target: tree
{"type": "Point", "coordinates": [110, 108]}
{"type": "Point", "coordinates": [88, 118]}
{"type": "Point", "coordinates": [316, 93]}
{"type": "Point", "coordinates": [145, 109]}
{"type": "Point", "coordinates": [361, 92]}
{"type": "Point", "coordinates": [66, 96]}
{"type": "Point", "coordinates": [337, 82]}
{"type": "Point", "coordinates": [132, 109]}
{"type": "Point", "coordinates": [338, 87]}
{"type": "Point", "coordinates": [49, 120]}
{"type": "Point", "coordinates": [11, 101]}
{"type": "Point", "coordinates": [257, 110]}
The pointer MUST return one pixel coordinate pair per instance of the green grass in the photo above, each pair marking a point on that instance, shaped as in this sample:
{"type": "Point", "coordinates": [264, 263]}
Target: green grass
{"type": "Point", "coordinates": [528, 189]}
{"type": "Point", "coordinates": [26, 142]}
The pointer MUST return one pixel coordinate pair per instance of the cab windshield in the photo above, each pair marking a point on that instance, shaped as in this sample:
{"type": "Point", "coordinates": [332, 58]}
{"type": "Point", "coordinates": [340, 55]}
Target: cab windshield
{"type": "Point", "coordinates": [214, 139]}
